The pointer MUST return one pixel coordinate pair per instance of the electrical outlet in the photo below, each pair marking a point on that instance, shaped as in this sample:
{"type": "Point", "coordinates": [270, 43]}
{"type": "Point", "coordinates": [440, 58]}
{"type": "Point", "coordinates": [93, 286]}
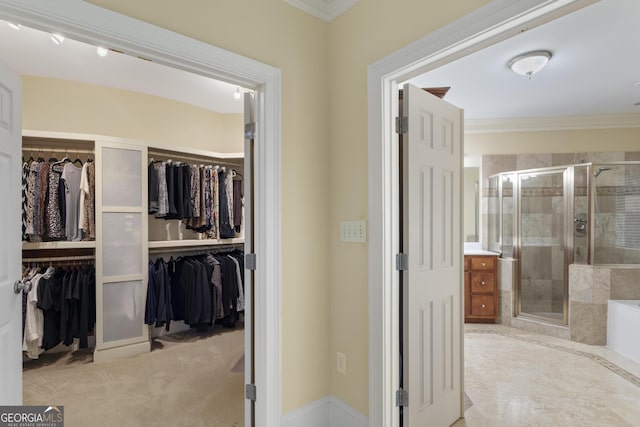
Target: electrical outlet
{"type": "Point", "coordinates": [353, 231]}
{"type": "Point", "coordinates": [341, 363]}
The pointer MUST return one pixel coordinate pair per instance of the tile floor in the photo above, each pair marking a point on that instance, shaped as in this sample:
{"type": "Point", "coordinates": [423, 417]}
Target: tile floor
{"type": "Point", "coordinates": [516, 378]}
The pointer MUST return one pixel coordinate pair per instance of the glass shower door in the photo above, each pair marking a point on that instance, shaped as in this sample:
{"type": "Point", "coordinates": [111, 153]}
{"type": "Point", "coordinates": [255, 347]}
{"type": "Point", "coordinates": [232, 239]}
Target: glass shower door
{"type": "Point", "coordinates": [542, 214]}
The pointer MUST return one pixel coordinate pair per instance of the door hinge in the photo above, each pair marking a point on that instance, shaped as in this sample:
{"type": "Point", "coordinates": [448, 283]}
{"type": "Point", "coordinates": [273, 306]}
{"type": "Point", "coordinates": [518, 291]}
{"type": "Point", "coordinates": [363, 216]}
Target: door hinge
{"type": "Point", "coordinates": [250, 261]}
{"type": "Point", "coordinates": [249, 130]}
{"type": "Point", "coordinates": [402, 398]}
{"type": "Point", "coordinates": [250, 392]}
{"type": "Point", "coordinates": [402, 262]}
{"type": "Point", "coordinates": [402, 124]}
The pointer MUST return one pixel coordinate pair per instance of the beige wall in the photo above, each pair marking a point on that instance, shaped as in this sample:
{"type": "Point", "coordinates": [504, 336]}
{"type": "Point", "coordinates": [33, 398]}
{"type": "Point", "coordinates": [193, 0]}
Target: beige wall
{"type": "Point", "coordinates": [566, 141]}
{"type": "Point", "coordinates": [64, 106]}
{"type": "Point", "coordinates": [471, 205]}
{"type": "Point", "coordinates": [277, 34]}
{"type": "Point", "coordinates": [365, 34]}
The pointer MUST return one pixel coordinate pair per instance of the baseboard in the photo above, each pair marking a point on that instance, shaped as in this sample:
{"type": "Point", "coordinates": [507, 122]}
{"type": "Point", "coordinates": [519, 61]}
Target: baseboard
{"type": "Point", "coordinates": [343, 415]}
{"type": "Point", "coordinates": [315, 414]}
{"type": "Point", "coordinates": [329, 411]}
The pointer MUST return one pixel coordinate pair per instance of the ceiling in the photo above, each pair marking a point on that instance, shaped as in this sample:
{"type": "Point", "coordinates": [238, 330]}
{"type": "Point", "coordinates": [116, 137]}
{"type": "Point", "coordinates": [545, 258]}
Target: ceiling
{"type": "Point", "coordinates": [595, 69]}
{"type": "Point", "coordinates": [31, 52]}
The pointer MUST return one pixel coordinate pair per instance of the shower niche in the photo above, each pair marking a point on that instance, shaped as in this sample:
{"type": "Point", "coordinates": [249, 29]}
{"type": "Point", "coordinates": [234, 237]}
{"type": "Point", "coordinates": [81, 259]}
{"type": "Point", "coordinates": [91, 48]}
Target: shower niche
{"type": "Point", "coordinates": [554, 227]}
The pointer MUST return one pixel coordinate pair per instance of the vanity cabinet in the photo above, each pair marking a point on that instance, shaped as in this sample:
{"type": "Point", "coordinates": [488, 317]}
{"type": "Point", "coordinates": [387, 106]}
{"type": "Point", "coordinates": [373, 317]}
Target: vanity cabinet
{"type": "Point", "coordinates": [480, 288]}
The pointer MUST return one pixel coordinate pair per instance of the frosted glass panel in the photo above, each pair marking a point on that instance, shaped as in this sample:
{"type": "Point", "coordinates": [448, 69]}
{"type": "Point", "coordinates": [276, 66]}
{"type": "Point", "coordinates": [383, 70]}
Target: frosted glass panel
{"type": "Point", "coordinates": [121, 177]}
{"type": "Point", "coordinates": [123, 310]}
{"type": "Point", "coordinates": [122, 243]}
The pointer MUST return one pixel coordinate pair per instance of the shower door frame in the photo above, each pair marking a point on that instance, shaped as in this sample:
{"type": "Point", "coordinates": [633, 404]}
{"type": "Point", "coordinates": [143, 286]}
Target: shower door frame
{"type": "Point", "coordinates": [567, 235]}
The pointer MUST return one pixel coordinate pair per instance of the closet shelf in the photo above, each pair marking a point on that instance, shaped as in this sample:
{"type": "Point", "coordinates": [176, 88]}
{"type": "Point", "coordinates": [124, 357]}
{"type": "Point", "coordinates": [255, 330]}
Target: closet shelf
{"type": "Point", "coordinates": [59, 245]}
{"type": "Point", "coordinates": [193, 243]}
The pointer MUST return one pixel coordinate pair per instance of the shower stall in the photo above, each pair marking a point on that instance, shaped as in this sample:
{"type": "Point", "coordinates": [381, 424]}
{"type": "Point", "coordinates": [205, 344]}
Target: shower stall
{"type": "Point", "coordinates": [549, 218]}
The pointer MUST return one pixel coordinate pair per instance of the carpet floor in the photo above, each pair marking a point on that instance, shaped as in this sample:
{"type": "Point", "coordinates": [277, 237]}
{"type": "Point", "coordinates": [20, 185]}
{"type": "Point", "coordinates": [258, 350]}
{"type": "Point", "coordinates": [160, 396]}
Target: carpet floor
{"type": "Point", "coordinates": [188, 379]}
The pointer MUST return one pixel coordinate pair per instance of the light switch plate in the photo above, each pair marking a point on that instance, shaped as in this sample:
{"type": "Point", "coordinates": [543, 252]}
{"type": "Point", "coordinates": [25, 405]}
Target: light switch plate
{"type": "Point", "coordinates": [353, 231]}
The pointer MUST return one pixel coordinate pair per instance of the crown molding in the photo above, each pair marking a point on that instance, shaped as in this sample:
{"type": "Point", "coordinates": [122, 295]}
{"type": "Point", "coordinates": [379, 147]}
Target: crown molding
{"type": "Point", "coordinates": [326, 10]}
{"type": "Point", "coordinates": [535, 124]}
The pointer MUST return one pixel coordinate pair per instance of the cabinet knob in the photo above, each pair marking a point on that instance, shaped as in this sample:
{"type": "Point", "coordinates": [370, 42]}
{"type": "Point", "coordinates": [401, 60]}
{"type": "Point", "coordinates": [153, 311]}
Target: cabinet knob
{"type": "Point", "coordinates": [483, 306]}
{"type": "Point", "coordinates": [484, 265]}
{"type": "Point", "coordinates": [483, 283]}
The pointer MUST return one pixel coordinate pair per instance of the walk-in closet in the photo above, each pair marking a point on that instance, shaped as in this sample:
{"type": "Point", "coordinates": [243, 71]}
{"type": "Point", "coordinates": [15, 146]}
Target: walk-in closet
{"type": "Point", "coordinates": [134, 248]}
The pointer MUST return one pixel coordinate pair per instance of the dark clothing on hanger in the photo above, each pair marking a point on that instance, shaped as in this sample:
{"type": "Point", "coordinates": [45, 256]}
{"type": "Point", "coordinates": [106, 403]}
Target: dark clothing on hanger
{"type": "Point", "coordinates": [237, 204]}
{"type": "Point", "coordinates": [226, 230]}
{"type": "Point", "coordinates": [152, 188]}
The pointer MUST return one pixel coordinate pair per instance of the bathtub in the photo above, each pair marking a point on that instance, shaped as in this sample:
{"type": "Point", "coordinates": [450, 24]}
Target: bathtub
{"type": "Point", "coordinates": [623, 327]}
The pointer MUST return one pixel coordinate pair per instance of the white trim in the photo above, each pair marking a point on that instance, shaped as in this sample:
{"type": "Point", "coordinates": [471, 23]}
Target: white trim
{"type": "Point", "coordinates": [314, 414]}
{"type": "Point", "coordinates": [329, 411]}
{"type": "Point", "coordinates": [494, 22]}
{"type": "Point", "coordinates": [326, 10]}
{"type": "Point", "coordinates": [92, 24]}
{"type": "Point", "coordinates": [344, 415]}
{"type": "Point", "coordinates": [533, 124]}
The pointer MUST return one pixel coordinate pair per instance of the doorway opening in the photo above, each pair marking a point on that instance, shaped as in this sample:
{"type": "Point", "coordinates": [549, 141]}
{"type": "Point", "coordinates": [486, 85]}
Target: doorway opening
{"type": "Point", "coordinates": [490, 24]}
{"type": "Point", "coordinates": [179, 52]}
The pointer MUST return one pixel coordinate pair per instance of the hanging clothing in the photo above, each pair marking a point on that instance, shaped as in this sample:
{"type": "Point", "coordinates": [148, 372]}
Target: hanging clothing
{"type": "Point", "coordinates": [25, 177]}
{"type": "Point", "coordinates": [43, 190]}
{"type": "Point", "coordinates": [71, 176]}
{"type": "Point", "coordinates": [54, 213]}
{"type": "Point", "coordinates": [237, 205]}
{"type": "Point", "coordinates": [199, 290]}
{"type": "Point", "coordinates": [30, 210]}
{"type": "Point", "coordinates": [66, 300]}
{"type": "Point", "coordinates": [87, 201]}
{"type": "Point", "coordinates": [226, 230]}
{"type": "Point", "coordinates": [163, 201]}
{"type": "Point", "coordinates": [152, 188]}
{"type": "Point", "coordinates": [34, 321]}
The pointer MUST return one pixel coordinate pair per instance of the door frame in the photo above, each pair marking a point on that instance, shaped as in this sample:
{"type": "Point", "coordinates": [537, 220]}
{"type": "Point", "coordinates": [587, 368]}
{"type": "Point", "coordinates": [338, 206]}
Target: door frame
{"type": "Point", "coordinates": [92, 24]}
{"type": "Point", "coordinates": [490, 24]}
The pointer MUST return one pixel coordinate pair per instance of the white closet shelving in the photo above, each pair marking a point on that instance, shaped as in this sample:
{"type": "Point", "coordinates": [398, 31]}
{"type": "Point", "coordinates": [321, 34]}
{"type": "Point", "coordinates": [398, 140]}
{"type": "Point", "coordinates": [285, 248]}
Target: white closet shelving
{"type": "Point", "coordinates": [125, 232]}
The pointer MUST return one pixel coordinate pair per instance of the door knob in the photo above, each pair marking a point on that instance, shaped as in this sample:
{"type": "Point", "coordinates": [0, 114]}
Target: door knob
{"type": "Point", "coordinates": [22, 286]}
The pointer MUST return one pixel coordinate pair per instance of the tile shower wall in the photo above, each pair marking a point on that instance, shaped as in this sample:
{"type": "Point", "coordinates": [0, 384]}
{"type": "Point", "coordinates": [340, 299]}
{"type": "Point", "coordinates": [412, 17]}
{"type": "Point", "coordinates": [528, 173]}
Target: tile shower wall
{"type": "Point", "coordinates": [496, 163]}
{"type": "Point", "coordinates": [550, 281]}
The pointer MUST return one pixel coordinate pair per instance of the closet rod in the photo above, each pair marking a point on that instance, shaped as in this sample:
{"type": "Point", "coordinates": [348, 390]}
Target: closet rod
{"type": "Point", "coordinates": [57, 150]}
{"type": "Point", "coordinates": [203, 160]}
{"type": "Point", "coordinates": [197, 251]}
{"type": "Point", "coordinates": [60, 258]}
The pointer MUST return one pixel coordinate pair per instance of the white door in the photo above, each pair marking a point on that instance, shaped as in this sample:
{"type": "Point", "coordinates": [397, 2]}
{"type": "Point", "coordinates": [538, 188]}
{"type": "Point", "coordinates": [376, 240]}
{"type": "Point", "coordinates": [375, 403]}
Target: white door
{"type": "Point", "coordinates": [433, 280]}
{"type": "Point", "coordinates": [10, 240]}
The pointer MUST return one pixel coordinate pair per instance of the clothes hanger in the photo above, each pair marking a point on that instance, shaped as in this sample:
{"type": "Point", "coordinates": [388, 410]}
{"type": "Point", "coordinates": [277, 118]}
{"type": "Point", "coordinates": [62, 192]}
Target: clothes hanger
{"type": "Point", "coordinates": [64, 159]}
{"type": "Point", "coordinates": [77, 160]}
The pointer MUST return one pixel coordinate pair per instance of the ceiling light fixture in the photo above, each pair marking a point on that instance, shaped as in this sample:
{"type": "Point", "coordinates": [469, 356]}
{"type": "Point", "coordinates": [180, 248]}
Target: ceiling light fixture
{"type": "Point", "coordinates": [529, 63]}
{"type": "Point", "coordinates": [14, 26]}
{"type": "Point", "coordinates": [102, 51]}
{"type": "Point", "coordinates": [237, 94]}
{"type": "Point", "coordinates": [57, 38]}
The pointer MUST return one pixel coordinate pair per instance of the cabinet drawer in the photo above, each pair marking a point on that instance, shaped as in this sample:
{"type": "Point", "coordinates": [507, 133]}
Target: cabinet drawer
{"type": "Point", "coordinates": [483, 282]}
{"type": "Point", "coordinates": [483, 263]}
{"type": "Point", "coordinates": [483, 305]}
